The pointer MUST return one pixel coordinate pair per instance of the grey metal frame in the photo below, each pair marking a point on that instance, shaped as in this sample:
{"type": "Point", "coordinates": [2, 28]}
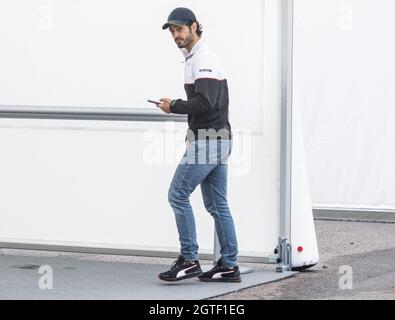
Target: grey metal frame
{"type": "Point", "coordinates": [284, 248]}
{"type": "Point", "coordinates": [127, 252]}
{"type": "Point", "coordinates": [89, 113]}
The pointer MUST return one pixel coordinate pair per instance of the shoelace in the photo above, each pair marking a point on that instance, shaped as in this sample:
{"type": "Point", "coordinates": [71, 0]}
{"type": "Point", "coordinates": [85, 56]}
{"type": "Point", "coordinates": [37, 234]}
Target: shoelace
{"type": "Point", "coordinates": [218, 265]}
{"type": "Point", "coordinates": [175, 263]}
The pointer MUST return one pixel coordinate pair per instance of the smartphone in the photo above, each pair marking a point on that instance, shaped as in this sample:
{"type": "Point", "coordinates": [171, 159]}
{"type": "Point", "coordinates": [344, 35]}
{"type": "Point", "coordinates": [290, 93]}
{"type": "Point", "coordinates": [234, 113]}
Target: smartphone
{"type": "Point", "coordinates": [153, 101]}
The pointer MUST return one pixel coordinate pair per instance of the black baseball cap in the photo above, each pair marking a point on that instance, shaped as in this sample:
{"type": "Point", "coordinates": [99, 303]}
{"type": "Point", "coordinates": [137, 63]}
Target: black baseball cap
{"type": "Point", "coordinates": [180, 17]}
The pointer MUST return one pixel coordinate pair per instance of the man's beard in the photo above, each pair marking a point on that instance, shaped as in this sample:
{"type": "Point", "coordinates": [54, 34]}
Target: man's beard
{"type": "Point", "coordinates": [185, 43]}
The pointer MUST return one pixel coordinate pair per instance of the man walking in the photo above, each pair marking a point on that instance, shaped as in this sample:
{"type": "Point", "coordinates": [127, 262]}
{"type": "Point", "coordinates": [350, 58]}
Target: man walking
{"type": "Point", "coordinates": [209, 144]}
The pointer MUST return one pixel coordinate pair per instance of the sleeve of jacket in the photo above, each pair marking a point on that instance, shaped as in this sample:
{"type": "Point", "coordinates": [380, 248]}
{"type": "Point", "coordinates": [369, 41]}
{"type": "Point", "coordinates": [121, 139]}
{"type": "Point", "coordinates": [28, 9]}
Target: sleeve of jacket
{"type": "Point", "coordinates": [207, 77]}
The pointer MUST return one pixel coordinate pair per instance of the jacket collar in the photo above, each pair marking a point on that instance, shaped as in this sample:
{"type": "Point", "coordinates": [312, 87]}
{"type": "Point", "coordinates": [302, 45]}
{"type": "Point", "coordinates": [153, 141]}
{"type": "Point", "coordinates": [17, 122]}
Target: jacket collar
{"type": "Point", "coordinates": [195, 48]}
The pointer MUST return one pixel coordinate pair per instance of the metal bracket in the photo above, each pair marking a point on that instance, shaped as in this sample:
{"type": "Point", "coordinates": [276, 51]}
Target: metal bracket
{"type": "Point", "coordinates": [284, 255]}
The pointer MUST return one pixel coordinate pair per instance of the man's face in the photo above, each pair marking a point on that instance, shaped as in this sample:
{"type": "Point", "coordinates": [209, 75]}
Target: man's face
{"type": "Point", "coordinates": [182, 35]}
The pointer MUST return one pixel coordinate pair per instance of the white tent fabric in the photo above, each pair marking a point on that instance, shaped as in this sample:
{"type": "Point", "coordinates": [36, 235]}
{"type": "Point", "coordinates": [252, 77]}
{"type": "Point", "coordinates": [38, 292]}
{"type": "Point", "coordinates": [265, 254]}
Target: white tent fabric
{"type": "Point", "coordinates": [344, 80]}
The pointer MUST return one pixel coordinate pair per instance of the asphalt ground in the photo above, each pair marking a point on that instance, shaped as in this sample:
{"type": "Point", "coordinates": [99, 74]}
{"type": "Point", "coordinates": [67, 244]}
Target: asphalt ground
{"type": "Point", "coordinates": [357, 262]}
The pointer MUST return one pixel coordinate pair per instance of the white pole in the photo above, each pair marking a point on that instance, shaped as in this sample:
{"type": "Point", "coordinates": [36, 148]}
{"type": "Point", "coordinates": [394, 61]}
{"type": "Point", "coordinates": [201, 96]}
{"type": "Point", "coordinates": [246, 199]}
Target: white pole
{"type": "Point", "coordinates": [217, 248]}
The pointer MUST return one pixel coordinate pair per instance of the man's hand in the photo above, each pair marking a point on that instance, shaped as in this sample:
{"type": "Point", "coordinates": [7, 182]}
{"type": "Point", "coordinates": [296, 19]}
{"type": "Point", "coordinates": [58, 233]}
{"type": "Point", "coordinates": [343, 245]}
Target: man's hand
{"type": "Point", "coordinates": [165, 104]}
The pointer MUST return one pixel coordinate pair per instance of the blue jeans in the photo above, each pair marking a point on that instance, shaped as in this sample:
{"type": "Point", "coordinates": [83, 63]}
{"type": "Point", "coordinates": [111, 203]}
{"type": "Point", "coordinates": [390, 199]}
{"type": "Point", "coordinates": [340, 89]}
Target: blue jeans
{"type": "Point", "coordinates": [204, 163]}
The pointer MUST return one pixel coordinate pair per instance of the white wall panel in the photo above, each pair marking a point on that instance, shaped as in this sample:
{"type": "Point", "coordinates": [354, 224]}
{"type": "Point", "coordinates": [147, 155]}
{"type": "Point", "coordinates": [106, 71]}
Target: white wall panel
{"type": "Point", "coordinates": [344, 61]}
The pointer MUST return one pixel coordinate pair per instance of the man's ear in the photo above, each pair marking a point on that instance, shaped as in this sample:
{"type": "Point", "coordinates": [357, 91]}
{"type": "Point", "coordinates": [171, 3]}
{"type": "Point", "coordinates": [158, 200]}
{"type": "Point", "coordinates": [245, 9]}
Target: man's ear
{"type": "Point", "coordinates": [194, 27]}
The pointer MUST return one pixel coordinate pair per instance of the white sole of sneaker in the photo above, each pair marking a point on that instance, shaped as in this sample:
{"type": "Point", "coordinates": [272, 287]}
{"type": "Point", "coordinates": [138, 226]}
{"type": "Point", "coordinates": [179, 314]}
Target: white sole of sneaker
{"type": "Point", "coordinates": [188, 276]}
{"type": "Point", "coordinates": [220, 280]}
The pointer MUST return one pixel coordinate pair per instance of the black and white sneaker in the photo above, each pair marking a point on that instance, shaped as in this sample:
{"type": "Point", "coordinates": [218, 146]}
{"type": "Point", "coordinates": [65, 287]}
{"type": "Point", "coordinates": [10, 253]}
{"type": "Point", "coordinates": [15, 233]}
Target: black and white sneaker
{"type": "Point", "coordinates": [221, 273]}
{"type": "Point", "coordinates": [181, 269]}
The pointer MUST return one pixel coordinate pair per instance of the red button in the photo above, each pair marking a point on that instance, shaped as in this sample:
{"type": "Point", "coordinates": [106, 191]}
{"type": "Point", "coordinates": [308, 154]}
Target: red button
{"type": "Point", "coordinates": [300, 249]}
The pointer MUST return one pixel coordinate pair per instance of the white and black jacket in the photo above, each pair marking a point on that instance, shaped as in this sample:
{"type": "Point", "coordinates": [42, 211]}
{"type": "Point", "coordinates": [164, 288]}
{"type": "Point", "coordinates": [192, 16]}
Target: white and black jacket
{"type": "Point", "coordinates": [207, 91]}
